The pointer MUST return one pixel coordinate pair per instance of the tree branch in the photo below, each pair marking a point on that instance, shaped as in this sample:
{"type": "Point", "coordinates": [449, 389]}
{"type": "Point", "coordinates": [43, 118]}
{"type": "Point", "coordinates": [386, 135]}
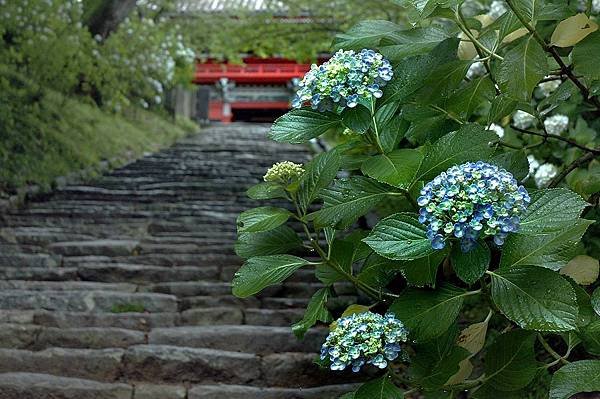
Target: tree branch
{"type": "Point", "coordinates": [595, 151]}
{"type": "Point", "coordinates": [572, 166]}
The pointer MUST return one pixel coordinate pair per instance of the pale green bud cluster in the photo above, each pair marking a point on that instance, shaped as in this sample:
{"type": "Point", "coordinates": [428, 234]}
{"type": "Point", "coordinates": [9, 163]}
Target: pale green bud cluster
{"type": "Point", "coordinates": [284, 172]}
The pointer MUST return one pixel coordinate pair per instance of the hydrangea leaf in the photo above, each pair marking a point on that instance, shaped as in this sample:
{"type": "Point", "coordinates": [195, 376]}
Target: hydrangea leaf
{"type": "Point", "coordinates": [522, 69]}
{"type": "Point", "coordinates": [315, 311]}
{"type": "Point", "coordinates": [443, 81]}
{"type": "Point", "coordinates": [551, 210]}
{"type": "Point", "coordinates": [596, 301]}
{"type": "Point", "coordinates": [586, 57]}
{"type": "Point", "coordinates": [358, 119]}
{"type": "Point", "coordinates": [397, 168]}
{"type": "Point", "coordinates": [380, 388]}
{"type": "Point", "coordinates": [423, 271]}
{"type": "Point", "coordinates": [319, 173]}
{"type": "Point", "coordinates": [572, 30]}
{"type": "Point", "coordinates": [535, 298]}
{"type": "Point", "coordinates": [413, 42]}
{"type": "Point", "coordinates": [502, 105]}
{"type": "Point", "coordinates": [392, 132]}
{"type": "Point", "coordinates": [428, 313]}
{"type": "Point", "coordinates": [266, 190]}
{"type": "Point", "coordinates": [583, 269]}
{"type": "Point", "coordinates": [576, 377]}
{"type": "Point", "coordinates": [514, 162]}
{"type": "Point", "coordinates": [279, 240]}
{"type": "Point", "coordinates": [470, 266]}
{"type": "Point", "coordinates": [590, 336]}
{"type": "Point", "coordinates": [378, 271]}
{"type": "Point", "coordinates": [262, 271]}
{"type": "Point", "coordinates": [347, 200]}
{"type": "Point", "coordinates": [469, 143]}
{"type": "Point", "coordinates": [400, 237]}
{"type": "Point", "coordinates": [552, 251]}
{"type": "Point", "coordinates": [300, 125]}
{"type": "Point", "coordinates": [366, 34]}
{"type": "Point", "coordinates": [586, 313]}
{"type": "Point", "coordinates": [471, 96]}
{"type": "Point", "coordinates": [261, 219]}
{"type": "Point", "coordinates": [510, 361]}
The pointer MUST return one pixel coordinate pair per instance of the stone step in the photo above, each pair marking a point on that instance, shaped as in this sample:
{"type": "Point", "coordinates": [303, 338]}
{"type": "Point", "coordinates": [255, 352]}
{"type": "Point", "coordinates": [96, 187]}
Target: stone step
{"type": "Point", "coordinates": [65, 286]}
{"type": "Point", "coordinates": [144, 274]}
{"type": "Point", "coordinates": [96, 247]}
{"type": "Point", "coordinates": [126, 320]}
{"type": "Point", "coordinates": [82, 301]}
{"type": "Point", "coordinates": [201, 288]}
{"type": "Point", "coordinates": [252, 339]}
{"type": "Point", "coordinates": [39, 273]}
{"type": "Point", "coordinates": [38, 386]}
{"type": "Point", "coordinates": [246, 392]}
{"type": "Point", "coordinates": [29, 260]}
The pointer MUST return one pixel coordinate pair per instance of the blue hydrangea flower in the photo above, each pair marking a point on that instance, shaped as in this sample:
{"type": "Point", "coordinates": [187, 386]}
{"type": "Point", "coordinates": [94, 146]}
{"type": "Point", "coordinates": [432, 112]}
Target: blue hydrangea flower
{"type": "Point", "coordinates": [470, 201]}
{"type": "Point", "coordinates": [364, 338]}
{"type": "Point", "coordinates": [344, 80]}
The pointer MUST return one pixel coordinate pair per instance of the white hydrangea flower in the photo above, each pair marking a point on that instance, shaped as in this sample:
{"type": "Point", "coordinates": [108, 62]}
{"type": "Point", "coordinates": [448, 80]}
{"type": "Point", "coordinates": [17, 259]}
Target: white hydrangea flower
{"type": "Point", "coordinates": [523, 120]}
{"type": "Point", "coordinates": [475, 70]}
{"type": "Point", "coordinates": [556, 124]}
{"type": "Point", "coordinates": [497, 8]}
{"type": "Point", "coordinates": [499, 130]}
{"type": "Point", "coordinates": [596, 6]}
{"type": "Point", "coordinates": [546, 88]}
{"type": "Point", "coordinates": [544, 174]}
{"type": "Point", "coordinates": [533, 164]}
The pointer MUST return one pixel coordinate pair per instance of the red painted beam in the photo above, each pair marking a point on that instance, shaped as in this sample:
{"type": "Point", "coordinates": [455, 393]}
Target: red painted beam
{"type": "Point", "coordinates": [275, 73]}
{"type": "Point", "coordinates": [261, 105]}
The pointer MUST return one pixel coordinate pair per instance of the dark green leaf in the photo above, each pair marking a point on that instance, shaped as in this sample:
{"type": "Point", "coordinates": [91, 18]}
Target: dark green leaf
{"type": "Point", "coordinates": [586, 57]}
{"type": "Point", "coordinates": [510, 361]}
{"type": "Point", "coordinates": [551, 210]}
{"type": "Point", "coordinates": [428, 313]}
{"type": "Point", "coordinates": [596, 301]}
{"type": "Point", "coordinates": [300, 125]}
{"type": "Point", "coordinates": [513, 161]}
{"type": "Point", "coordinates": [277, 241]}
{"type": "Point", "coordinates": [535, 298]}
{"type": "Point", "coordinates": [443, 81]}
{"type": "Point", "coordinates": [381, 388]}
{"type": "Point", "coordinates": [413, 42]}
{"type": "Point", "coordinates": [471, 96]}
{"type": "Point", "coordinates": [262, 271]}
{"type": "Point", "coordinates": [502, 105]}
{"type": "Point", "coordinates": [261, 219]}
{"type": "Point", "coordinates": [400, 237]}
{"type": "Point", "coordinates": [397, 168]}
{"type": "Point", "coordinates": [378, 271]}
{"type": "Point", "coordinates": [266, 190]}
{"type": "Point", "coordinates": [423, 271]}
{"type": "Point", "coordinates": [470, 266]}
{"type": "Point", "coordinates": [576, 377]}
{"type": "Point", "coordinates": [391, 133]}
{"type": "Point", "coordinates": [358, 119]}
{"type": "Point", "coordinates": [315, 311]}
{"type": "Point", "coordinates": [319, 173]}
{"type": "Point", "coordinates": [469, 143]}
{"type": "Point", "coordinates": [366, 34]}
{"type": "Point", "coordinates": [590, 336]}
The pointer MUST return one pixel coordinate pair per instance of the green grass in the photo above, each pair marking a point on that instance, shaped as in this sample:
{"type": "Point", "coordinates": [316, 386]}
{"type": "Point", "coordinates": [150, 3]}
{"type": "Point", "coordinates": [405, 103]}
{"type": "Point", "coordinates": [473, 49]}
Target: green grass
{"type": "Point", "coordinates": [44, 135]}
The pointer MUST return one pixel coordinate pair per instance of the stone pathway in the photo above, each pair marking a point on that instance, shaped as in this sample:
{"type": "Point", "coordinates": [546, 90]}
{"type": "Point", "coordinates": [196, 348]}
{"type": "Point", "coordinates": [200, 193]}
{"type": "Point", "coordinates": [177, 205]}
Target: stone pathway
{"type": "Point", "coordinates": [120, 289]}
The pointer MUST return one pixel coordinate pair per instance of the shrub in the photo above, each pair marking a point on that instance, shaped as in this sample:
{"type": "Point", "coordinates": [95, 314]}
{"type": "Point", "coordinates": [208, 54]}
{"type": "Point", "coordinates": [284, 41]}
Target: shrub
{"type": "Point", "coordinates": [484, 144]}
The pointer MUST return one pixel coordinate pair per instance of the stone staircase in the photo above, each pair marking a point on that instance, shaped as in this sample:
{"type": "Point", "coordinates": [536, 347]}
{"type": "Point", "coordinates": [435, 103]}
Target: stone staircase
{"type": "Point", "coordinates": [120, 289]}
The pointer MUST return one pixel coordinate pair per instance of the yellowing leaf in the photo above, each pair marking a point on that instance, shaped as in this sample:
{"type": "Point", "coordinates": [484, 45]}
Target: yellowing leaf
{"type": "Point", "coordinates": [583, 269]}
{"type": "Point", "coordinates": [515, 35]}
{"type": "Point", "coordinates": [572, 30]}
{"type": "Point", "coordinates": [352, 309]}
{"type": "Point", "coordinates": [466, 48]}
{"type": "Point", "coordinates": [472, 339]}
{"type": "Point", "coordinates": [464, 371]}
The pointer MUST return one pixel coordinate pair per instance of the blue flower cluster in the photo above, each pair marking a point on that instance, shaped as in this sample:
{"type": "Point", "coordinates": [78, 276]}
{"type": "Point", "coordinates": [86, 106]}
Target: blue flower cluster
{"type": "Point", "coordinates": [364, 338]}
{"type": "Point", "coordinates": [470, 201]}
{"type": "Point", "coordinates": [343, 80]}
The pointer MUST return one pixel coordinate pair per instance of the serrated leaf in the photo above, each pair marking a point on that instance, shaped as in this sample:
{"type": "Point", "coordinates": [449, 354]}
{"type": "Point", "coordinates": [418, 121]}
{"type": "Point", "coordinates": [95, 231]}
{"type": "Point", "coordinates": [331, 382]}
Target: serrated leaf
{"type": "Point", "coordinates": [469, 143]}
{"type": "Point", "coordinates": [596, 301]}
{"type": "Point", "coordinates": [261, 219]}
{"type": "Point", "coordinates": [392, 132]}
{"type": "Point", "coordinates": [423, 271]}
{"type": "Point", "coordinates": [428, 313]}
{"type": "Point", "coordinates": [397, 168]}
{"type": "Point", "coordinates": [586, 57]}
{"type": "Point", "coordinates": [358, 119]}
{"type": "Point", "coordinates": [266, 190]}
{"type": "Point", "coordinates": [510, 361]}
{"type": "Point", "coordinates": [586, 312]}
{"type": "Point", "coordinates": [262, 271]}
{"type": "Point", "coordinates": [381, 388]}
{"type": "Point", "coordinates": [471, 96]}
{"type": "Point", "coordinates": [590, 336]}
{"type": "Point", "coordinates": [318, 174]}
{"type": "Point", "coordinates": [551, 210]}
{"type": "Point", "coordinates": [378, 271]}
{"type": "Point", "coordinates": [513, 161]}
{"type": "Point", "coordinates": [443, 81]}
{"type": "Point", "coordinates": [276, 241]}
{"type": "Point", "coordinates": [366, 34]}
{"type": "Point", "coordinates": [347, 200]}
{"type": "Point", "coordinates": [502, 105]}
{"type": "Point", "coordinates": [583, 269]}
{"type": "Point", "coordinates": [315, 311]}
{"type": "Point", "coordinates": [300, 125]}
{"type": "Point", "coordinates": [535, 298]}
{"type": "Point", "coordinates": [400, 237]}
{"type": "Point", "coordinates": [522, 69]}
{"type": "Point", "coordinates": [552, 251]}
{"type": "Point", "coordinates": [470, 266]}
{"type": "Point", "coordinates": [413, 42]}
{"type": "Point", "coordinates": [576, 377]}
{"type": "Point", "coordinates": [572, 30]}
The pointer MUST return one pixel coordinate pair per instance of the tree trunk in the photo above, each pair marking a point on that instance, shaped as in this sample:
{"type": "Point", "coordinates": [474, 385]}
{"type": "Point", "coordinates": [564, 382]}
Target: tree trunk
{"type": "Point", "coordinates": [107, 15]}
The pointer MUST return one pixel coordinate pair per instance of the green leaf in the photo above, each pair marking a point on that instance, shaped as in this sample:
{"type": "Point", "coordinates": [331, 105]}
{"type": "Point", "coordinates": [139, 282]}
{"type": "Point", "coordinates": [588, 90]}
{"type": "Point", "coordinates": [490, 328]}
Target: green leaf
{"type": "Point", "coordinates": [535, 298]}
{"type": "Point", "coordinates": [586, 57]}
{"type": "Point", "coordinates": [471, 96]}
{"type": "Point", "coordinates": [510, 361]}
{"type": "Point", "coordinates": [378, 271]}
{"type": "Point", "coordinates": [576, 377]}
{"type": "Point", "coordinates": [347, 200]}
{"type": "Point", "coordinates": [502, 105]}
{"type": "Point", "coordinates": [596, 301]}
{"type": "Point", "coordinates": [397, 168]}
{"type": "Point", "coordinates": [443, 81]}
{"type": "Point", "coordinates": [358, 119]}
{"type": "Point", "coordinates": [261, 219]}
{"type": "Point", "coordinates": [392, 132]}
{"type": "Point", "coordinates": [262, 271]}
{"type": "Point", "coordinates": [276, 241]}
{"type": "Point", "coordinates": [300, 125]}
{"type": "Point", "coordinates": [513, 161]}
{"type": "Point", "coordinates": [423, 271]}
{"type": "Point", "coordinates": [381, 388]}
{"type": "Point", "coordinates": [582, 269]}
{"type": "Point", "coordinates": [590, 336]}
{"type": "Point", "coordinates": [319, 173]}
{"type": "Point", "coordinates": [428, 313]}
{"type": "Point", "coordinates": [552, 251]}
{"type": "Point", "coordinates": [266, 190]}
{"type": "Point", "coordinates": [366, 34]}
{"type": "Point", "coordinates": [315, 311]}
{"type": "Point", "coordinates": [413, 42]}
{"type": "Point", "coordinates": [470, 266]}
{"type": "Point", "coordinates": [551, 210]}
{"type": "Point", "coordinates": [522, 69]}
{"type": "Point", "coordinates": [469, 143]}
{"type": "Point", "coordinates": [400, 237]}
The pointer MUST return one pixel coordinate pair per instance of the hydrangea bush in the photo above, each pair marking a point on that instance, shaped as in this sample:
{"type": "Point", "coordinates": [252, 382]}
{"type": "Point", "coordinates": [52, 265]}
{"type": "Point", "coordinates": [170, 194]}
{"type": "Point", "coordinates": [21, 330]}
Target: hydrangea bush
{"type": "Point", "coordinates": [461, 203]}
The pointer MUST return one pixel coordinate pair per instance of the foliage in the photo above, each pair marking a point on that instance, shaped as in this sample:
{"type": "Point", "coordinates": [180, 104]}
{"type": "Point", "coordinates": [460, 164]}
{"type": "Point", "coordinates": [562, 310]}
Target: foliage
{"type": "Point", "coordinates": [487, 136]}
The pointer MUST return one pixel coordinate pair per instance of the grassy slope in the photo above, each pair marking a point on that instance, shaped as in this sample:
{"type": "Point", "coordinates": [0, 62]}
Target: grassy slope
{"type": "Point", "coordinates": [61, 135]}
